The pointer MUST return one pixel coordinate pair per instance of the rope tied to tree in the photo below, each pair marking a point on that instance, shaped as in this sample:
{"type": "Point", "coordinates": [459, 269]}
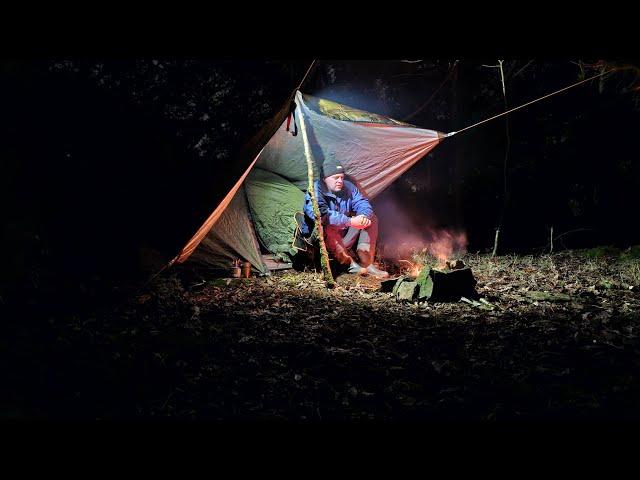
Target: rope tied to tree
{"type": "Point", "coordinates": [450, 134]}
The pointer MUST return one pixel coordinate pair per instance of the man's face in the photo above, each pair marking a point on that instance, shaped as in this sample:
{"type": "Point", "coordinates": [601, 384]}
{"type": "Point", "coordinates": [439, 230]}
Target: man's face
{"type": "Point", "coordinates": [335, 182]}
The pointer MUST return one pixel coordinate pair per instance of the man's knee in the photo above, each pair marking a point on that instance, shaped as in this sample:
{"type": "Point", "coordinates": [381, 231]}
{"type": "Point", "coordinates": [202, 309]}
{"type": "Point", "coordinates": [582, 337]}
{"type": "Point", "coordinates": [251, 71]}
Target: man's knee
{"type": "Point", "coordinates": [332, 234]}
{"type": "Point", "coordinates": [374, 222]}
{"type": "Point", "coordinates": [372, 230]}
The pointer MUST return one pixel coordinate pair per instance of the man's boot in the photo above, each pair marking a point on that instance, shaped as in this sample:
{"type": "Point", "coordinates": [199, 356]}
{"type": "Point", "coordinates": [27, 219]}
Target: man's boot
{"type": "Point", "coordinates": [376, 272]}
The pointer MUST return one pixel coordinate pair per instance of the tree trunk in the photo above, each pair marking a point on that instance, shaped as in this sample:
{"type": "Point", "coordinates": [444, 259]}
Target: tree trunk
{"type": "Point", "coordinates": [324, 256]}
{"type": "Point", "coordinates": [505, 194]}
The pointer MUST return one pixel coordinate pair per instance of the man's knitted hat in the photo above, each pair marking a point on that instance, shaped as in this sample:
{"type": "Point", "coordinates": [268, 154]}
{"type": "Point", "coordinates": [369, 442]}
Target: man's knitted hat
{"type": "Point", "coordinates": [331, 166]}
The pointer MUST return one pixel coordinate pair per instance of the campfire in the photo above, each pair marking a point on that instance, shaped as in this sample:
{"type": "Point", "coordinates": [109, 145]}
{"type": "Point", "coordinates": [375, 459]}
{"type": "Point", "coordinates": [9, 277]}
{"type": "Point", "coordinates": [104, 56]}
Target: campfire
{"type": "Point", "coordinates": [448, 281]}
{"type": "Point", "coordinates": [434, 272]}
{"type": "Point", "coordinates": [412, 270]}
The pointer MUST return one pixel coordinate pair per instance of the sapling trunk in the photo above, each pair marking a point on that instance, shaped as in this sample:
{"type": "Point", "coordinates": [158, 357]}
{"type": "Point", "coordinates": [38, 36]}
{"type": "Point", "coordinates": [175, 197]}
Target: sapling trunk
{"type": "Point", "coordinates": [495, 242]}
{"type": "Point", "coordinates": [324, 255]}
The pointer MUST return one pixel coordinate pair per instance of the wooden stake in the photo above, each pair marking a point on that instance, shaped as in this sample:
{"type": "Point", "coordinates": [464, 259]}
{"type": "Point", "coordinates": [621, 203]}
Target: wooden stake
{"type": "Point", "coordinates": [324, 255]}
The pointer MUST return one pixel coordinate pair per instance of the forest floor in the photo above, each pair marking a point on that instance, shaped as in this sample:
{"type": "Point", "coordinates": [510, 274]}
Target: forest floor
{"type": "Point", "coordinates": [559, 340]}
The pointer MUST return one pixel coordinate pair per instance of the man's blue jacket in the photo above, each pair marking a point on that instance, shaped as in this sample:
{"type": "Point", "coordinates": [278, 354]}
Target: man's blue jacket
{"type": "Point", "coordinates": [336, 208]}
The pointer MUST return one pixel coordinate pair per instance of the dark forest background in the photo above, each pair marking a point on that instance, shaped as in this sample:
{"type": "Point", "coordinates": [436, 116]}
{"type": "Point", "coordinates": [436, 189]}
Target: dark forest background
{"type": "Point", "coordinates": [109, 166]}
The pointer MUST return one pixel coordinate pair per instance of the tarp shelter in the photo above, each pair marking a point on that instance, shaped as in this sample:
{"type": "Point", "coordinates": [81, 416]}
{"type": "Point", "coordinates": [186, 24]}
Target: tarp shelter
{"type": "Point", "coordinates": [257, 215]}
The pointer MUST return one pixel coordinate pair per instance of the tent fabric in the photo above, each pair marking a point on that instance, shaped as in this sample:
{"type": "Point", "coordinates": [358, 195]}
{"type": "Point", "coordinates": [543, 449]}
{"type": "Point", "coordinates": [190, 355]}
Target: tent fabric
{"type": "Point", "coordinates": [284, 156]}
{"type": "Point", "coordinates": [193, 243]}
{"type": "Point", "coordinates": [234, 237]}
{"type": "Point", "coordinates": [374, 149]}
{"type": "Point", "coordinates": [251, 150]}
{"type": "Point", "coordinates": [273, 201]}
{"type": "Point", "coordinates": [338, 111]}
{"type": "Point", "coordinates": [373, 157]}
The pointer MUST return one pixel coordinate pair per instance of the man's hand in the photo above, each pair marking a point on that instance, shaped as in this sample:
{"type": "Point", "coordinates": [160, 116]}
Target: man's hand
{"type": "Point", "coordinates": [360, 222]}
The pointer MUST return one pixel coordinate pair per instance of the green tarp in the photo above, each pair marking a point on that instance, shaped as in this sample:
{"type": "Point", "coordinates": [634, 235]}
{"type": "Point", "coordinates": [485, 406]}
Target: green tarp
{"type": "Point", "coordinates": [273, 201]}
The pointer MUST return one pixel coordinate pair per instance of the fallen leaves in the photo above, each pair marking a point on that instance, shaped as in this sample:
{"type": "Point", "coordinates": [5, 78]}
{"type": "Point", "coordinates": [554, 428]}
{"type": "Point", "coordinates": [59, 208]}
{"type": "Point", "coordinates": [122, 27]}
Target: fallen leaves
{"type": "Point", "coordinates": [548, 296]}
{"type": "Point", "coordinates": [286, 347]}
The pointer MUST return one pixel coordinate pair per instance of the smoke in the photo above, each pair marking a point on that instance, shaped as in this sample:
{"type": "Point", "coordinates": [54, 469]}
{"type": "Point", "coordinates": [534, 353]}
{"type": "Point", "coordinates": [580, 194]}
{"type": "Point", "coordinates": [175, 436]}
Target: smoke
{"type": "Point", "coordinates": [444, 243]}
{"type": "Point", "coordinates": [400, 235]}
{"type": "Point", "coordinates": [407, 231]}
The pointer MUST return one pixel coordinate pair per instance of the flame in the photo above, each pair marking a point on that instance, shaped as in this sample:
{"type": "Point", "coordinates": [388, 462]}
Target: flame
{"type": "Point", "coordinates": [413, 269]}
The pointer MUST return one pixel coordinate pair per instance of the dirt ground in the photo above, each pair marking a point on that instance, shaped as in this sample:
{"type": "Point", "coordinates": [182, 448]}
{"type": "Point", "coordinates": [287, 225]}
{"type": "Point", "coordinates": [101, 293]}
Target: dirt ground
{"type": "Point", "coordinates": [556, 339]}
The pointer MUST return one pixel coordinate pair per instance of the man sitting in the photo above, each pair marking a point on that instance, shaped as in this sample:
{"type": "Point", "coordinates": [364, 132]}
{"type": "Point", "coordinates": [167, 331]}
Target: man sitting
{"type": "Point", "coordinates": [347, 219]}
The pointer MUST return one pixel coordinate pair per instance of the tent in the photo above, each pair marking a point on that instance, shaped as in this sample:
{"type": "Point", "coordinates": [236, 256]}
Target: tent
{"type": "Point", "coordinates": [255, 221]}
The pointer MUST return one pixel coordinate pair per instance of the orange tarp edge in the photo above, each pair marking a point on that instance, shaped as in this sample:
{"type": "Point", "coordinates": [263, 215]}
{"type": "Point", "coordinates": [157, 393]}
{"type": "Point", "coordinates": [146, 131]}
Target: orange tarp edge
{"type": "Point", "coordinates": [191, 245]}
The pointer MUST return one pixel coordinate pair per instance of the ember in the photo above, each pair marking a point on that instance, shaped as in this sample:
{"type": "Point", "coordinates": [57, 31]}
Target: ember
{"type": "Point", "coordinates": [412, 269]}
